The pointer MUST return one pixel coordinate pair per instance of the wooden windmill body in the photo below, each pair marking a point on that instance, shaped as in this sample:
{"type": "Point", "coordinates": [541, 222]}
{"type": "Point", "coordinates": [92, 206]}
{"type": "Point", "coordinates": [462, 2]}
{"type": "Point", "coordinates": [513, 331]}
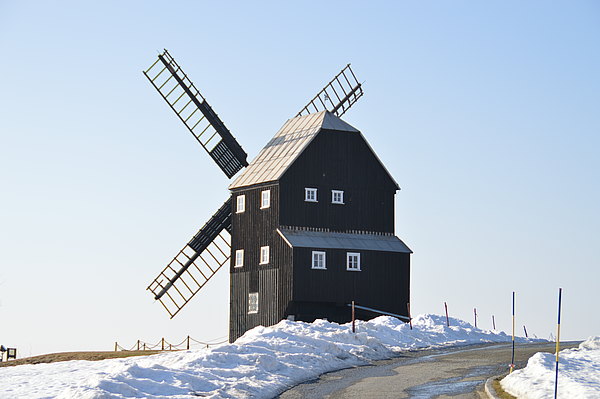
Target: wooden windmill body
{"type": "Point", "coordinates": [309, 226]}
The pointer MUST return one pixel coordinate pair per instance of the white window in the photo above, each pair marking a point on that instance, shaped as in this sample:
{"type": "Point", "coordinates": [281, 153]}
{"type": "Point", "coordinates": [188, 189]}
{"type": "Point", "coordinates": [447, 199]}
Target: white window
{"type": "Point", "coordinates": [310, 194]}
{"type": "Point", "coordinates": [253, 302]}
{"type": "Point", "coordinates": [318, 260]}
{"type": "Point", "coordinates": [353, 261]}
{"type": "Point", "coordinates": [337, 197]}
{"type": "Point", "coordinates": [265, 199]}
{"type": "Point", "coordinates": [241, 204]}
{"type": "Point", "coordinates": [264, 255]}
{"type": "Point", "coordinates": [239, 258]}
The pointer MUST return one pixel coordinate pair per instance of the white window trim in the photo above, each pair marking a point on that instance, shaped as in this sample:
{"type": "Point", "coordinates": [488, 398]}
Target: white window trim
{"type": "Point", "coordinates": [313, 266]}
{"type": "Point", "coordinates": [310, 190]}
{"type": "Point", "coordinates": [252, 311]}
{"type": "Point", "coordinates": [240, 204]}
{"type": "Point", "coordinates": [262, 251]}
{"type": "Point", "coordinates": [241, 258]}
{"type": "Point", "coordinates": [333, 193]}
{"type": "Point", "coordinates": [266, 194]}
{"type": "Point", "coordinates": [352, 254]}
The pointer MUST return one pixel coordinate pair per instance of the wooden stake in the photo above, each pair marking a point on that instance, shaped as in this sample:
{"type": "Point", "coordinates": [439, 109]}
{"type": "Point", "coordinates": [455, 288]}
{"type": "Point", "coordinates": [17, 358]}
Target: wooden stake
{"type": "Point", "coordinates": [353, 319]}
{"type": "Point", "coordinates": [447, 319]}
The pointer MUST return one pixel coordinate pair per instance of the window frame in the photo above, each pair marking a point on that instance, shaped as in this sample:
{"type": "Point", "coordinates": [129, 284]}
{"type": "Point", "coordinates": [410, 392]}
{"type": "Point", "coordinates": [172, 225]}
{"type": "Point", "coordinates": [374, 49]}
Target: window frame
{"type": "Point", "coordinates": [311, 190]}
{"type": "Point", "coordinates": [341, 193]}
{"type": "Point", "coordinates": [349, 267]}
{"type": "Point", "coordinates": [251, 310]}
{"type": "Point", "coordinates": [262, 252]}
{"type": "Point", "coordinates": [262, 199]}
{"type": "Point", "coordinates": [235, 262]}
{"type": "Point", "coordinates": [240, 200]}
{"type": "Point", "coordinates": [324, 260]}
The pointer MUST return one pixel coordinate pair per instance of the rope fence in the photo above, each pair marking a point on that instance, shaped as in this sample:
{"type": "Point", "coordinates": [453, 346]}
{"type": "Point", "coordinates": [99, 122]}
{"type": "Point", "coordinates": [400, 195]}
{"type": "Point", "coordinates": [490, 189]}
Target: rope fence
{"type": "Point", "coordinates": [163, 345]}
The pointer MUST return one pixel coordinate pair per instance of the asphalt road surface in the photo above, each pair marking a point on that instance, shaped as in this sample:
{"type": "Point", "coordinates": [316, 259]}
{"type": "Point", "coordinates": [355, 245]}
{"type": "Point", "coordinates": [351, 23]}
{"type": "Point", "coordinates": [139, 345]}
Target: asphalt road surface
{"type": "Point", "coordinates": [452, 373]}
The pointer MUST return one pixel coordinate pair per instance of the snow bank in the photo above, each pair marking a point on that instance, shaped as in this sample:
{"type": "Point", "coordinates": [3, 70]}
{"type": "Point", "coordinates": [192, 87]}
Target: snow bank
{"type": "Point", "coordinates": [578, 374]}
{"type": "Point", "coordinates": [261, 364]}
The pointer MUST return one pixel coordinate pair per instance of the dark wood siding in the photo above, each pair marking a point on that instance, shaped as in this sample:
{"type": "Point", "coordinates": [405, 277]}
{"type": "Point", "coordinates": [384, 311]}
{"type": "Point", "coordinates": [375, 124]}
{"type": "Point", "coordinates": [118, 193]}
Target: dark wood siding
{"type": "Point", "coordinates": [383, 283]}
{"type": "Point", "coordinates": [338, 161]}
{"type": "Point", "coordinates": [253, 229]}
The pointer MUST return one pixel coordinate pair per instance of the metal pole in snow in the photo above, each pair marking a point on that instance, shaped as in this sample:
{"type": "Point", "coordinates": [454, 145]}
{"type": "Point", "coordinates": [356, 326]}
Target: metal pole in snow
{"type": "Point", "coordinates": [512, 362]}
{"type": "Point", "coordinates": [475, 316]}
{"type": "Point", "coordinates": [557, 343]}
{"type": "Point", "coordinates": [447, 319]}
{"type": "Point", "coordinates": [188, 343]}
{"type": "Point", "coordinates": [409, 316]}
{"type": "Point", "coordinates": [524, 329]}
{"type": "Point", "coordinates": [353, 319]}
{"type": "Point", "coordinates": [493, 322]}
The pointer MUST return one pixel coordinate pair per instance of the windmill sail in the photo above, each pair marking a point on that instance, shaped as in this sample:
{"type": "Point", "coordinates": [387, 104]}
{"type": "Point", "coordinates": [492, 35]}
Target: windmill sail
{"type": "Point", "coordinates": [337, 96]}
{"type": "Point", "coordinates": [185, 100]}
{"type": "Point", "coordinates": [196, 263]}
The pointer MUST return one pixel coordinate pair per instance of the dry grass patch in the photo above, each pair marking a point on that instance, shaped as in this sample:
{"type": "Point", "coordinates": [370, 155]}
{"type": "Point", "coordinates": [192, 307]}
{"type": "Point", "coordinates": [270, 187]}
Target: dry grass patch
{"type": "Point", "coordinates": [499, 391]}
{"type": "Point", "coordinates": [66, 356]}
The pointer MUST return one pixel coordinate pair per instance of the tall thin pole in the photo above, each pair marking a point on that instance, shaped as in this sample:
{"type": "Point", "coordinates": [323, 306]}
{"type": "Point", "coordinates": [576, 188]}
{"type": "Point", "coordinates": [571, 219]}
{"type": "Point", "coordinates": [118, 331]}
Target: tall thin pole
{"type": "Point", "coordinates": [512, 361]}
{"type": "Point", "coordinates": [493, 322]}
{"type": "Point", "coordinates": [475, 316]}
{"type": "Point", "coordinates": [524, 329]}
{"type": "Point", "coordinates": [409, 315]}
{"type": "Point", "coordinates": [557, 343]}
{"type": "Point", "coordinates": [353, 319]}
{"type": "Point", "coordinates": [447, 319]}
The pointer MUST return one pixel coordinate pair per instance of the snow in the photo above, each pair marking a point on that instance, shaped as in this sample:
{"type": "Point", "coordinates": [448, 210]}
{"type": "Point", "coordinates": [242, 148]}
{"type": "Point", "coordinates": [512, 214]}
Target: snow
{"type": "Point", "coordinates": [578, 374]}
{"type": "Point", "coordinates": [261, 364]}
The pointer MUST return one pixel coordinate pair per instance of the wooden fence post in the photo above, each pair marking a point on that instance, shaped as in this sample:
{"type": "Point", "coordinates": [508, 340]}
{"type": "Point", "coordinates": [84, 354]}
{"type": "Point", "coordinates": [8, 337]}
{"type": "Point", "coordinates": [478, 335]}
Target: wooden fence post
{"type": "Point", "coordinates": [353, 319]}
{"type": "Point", "coordinates": [447, 319]}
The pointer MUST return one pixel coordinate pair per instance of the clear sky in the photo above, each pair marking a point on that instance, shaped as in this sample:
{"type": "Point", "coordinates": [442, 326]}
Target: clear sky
{"type": "Point", "coordinates": [486, 115]}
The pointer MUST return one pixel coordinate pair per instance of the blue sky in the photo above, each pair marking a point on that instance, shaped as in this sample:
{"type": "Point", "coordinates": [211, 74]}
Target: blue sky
{"type": "Point", "coordinates": [485, 114]}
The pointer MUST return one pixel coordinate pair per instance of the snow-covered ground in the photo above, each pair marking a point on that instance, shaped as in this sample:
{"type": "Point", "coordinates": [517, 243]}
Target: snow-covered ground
{"type": "Point", "coordinates": [261, 364]}
{"type": "Point", "coordinates": [578, 374]}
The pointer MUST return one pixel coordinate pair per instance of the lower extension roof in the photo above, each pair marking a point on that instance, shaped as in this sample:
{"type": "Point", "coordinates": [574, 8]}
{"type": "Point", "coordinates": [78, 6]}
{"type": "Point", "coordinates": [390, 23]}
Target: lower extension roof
{"type": "Point", "coordinates": [330, 240]}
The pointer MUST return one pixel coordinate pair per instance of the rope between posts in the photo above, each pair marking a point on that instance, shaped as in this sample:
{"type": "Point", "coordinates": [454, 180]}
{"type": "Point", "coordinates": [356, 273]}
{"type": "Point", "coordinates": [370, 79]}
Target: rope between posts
{"type": "Point", "coordinates": [164, 345]}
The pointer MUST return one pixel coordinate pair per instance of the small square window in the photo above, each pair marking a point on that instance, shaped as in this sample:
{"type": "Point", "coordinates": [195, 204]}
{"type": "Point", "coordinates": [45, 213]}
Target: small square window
{"type": "Point", "coordinates": [253, 302]}
{"type": "Point", "coordinates": [239, 258]}
{"type": "Point", "coordinates": [337, 197]}
{"type": "Point", "coordinates": [264, 255]}
{"type": "Point", "coordinates": [241, 204]}
{"type": "Point", "coordinates": [318, 260]}
{"type": "Point", "coordinates": [353, 261]}
{"type": "Point", "coordinates": [265, 199]}
{"type": "Point", "coordinates": [310, 194]}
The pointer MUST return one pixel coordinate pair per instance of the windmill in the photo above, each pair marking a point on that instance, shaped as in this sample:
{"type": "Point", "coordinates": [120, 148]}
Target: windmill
{"type": "Point", "coordinates": [210, 248]}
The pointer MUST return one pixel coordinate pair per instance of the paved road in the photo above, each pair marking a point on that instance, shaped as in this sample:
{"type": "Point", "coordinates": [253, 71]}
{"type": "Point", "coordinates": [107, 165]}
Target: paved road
{"type": "Point", "coordinates": [456, 373]}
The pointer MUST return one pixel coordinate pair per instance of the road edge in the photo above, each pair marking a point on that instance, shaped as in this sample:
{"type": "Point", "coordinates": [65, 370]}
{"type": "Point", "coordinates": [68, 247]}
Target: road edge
{"type": "Point", "coordinates": [489, 388]}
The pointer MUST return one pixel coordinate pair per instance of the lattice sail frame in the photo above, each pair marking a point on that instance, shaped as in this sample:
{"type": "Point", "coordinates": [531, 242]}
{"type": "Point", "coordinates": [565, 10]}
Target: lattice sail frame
{"type": "Point", "coordinates": [199, 271]}
{"type": "Point", "coordinates": [185, 100]}
{"type": "Point", "coordinates": [337, 96]}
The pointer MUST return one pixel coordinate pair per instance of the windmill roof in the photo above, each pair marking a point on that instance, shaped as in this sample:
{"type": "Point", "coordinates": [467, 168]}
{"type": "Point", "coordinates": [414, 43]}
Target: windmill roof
{"type": "Point", "coordinates": [285, 147]}
{"type": "Point", "coordinates": [331, 240]}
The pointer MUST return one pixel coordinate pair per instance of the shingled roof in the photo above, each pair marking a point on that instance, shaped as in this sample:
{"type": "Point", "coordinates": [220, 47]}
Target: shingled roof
{"type": "Point", "coordinates": [290, 141]}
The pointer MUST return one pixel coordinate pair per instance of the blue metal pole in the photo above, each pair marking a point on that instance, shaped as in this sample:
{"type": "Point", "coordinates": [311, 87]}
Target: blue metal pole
{"type": "Point", "coordinates": [557, 343]}
{"type": "Point", "coordinates": [512, 361]}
